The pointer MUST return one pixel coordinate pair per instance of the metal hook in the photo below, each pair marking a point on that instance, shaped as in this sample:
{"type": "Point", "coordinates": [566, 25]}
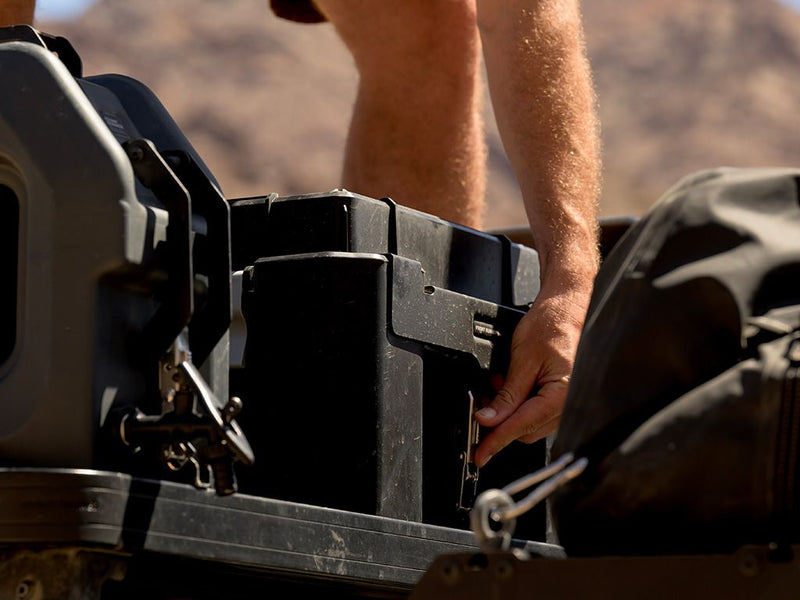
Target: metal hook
{"type": "Point", "coordinates": [494, 517]}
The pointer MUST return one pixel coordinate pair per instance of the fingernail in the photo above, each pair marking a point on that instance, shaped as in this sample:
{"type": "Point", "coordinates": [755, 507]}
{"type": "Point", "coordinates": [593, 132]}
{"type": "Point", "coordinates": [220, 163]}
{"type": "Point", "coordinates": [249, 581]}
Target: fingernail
{"type": "Point", "coordinates": [486, 413]}
{"type": "Point", "coordinates": [484, 461]}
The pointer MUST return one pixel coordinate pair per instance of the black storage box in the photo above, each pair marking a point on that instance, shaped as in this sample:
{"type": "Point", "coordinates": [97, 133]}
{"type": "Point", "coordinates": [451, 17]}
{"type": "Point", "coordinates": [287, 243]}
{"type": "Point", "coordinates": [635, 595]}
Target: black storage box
{"type": "Point", "coordinates": [116, 277]}
{"type": "Point", "coordinates": [368, 327]}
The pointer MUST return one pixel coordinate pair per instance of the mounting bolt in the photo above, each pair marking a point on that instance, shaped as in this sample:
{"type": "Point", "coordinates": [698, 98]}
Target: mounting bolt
{"type": "Point", "coordinates": [749, 564]}
{"type": "Point", "coordinates": [450, 573]}
{"type": "Point", "coordinates": [25, 590]}
{"type": "Point", "coordinates": [135, 153]}
{"type": "Point", "coordinates": [231, 409]}
{"type": "Point", "coordinates": [503, 570]}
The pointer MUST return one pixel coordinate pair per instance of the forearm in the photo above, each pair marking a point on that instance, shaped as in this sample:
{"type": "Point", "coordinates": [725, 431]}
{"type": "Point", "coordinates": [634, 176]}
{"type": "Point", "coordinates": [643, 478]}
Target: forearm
{"type": "Point", "coordinates": [544, 101]}
{"type": "Point", "coordinates": [16, 12]}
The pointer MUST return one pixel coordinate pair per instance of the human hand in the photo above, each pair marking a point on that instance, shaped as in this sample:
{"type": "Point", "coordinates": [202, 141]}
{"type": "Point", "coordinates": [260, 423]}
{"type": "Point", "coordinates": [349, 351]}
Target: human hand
{"type": "Point", "coordinates": [529, 403]}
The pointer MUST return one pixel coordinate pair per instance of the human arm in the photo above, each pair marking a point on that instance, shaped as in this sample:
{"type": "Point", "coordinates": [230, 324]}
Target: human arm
{"type": "Point", "coordinates": [416, 132]}
{"type": "Point", "coordinates": [16, 12]}
{"type": "Point", "coordinates": [544, 103]}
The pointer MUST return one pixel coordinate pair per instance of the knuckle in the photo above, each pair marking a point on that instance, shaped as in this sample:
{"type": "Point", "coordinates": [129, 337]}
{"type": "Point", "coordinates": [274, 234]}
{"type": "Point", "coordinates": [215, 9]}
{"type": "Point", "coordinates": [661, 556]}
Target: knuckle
{"type": "Point", "coordinates": [505, 398]}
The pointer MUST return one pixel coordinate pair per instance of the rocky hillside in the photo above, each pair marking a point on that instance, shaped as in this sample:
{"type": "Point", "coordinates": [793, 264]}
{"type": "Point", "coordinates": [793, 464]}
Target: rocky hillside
{"type": "Point", "coordinates": [685, 85]}
{"type": "Point", "coordinates": [682, 85]}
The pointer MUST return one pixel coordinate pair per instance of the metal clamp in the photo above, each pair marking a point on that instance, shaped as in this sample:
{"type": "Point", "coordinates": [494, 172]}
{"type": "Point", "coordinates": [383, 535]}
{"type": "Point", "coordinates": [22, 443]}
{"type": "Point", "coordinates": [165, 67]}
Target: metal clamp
{"type": "Point", "coordinates": [193, 429]}
{"type": "Point", "coordinates": [469, 470]}
{"type": "Point", "coordinates": [494, 516]}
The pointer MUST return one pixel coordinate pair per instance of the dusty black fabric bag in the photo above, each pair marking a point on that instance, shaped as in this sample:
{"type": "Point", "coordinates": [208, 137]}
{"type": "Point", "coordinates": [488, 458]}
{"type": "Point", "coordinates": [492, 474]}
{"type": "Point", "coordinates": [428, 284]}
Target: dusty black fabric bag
{"type": "Point", "coordinates": [684, 397]}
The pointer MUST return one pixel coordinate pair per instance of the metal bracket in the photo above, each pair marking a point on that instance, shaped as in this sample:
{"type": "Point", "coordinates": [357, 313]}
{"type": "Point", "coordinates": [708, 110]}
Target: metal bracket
{"type": "Point", "coordinates": [192, 429]}
{"type": "Point", "coordinates": [469, 470]}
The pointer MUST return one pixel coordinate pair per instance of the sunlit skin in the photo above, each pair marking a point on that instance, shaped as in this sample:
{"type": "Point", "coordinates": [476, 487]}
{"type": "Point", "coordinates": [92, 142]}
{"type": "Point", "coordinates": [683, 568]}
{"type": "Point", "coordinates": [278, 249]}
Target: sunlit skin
{"type": "Point", "coordinates": [16, 12]}
{"type": "Point", "coordinates": [417, 136]}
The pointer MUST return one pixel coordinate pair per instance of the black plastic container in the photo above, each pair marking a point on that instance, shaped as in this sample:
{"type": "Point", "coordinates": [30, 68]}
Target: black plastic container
{"type": "Point", "coordinates": [116, 265]}
{"type": "Point", "coordinates": [368, 327]}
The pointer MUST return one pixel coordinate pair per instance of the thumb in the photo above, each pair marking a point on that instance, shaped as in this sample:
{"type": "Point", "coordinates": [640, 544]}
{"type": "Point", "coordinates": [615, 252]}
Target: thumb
{"type": "Point", "coordinates": [501, 407]}
{"type": "Point", "coordinates": [515, 389]}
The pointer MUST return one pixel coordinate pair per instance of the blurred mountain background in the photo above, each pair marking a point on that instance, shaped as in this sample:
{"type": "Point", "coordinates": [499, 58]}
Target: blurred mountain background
{"type": "Point", "coordinates": [682, 85]}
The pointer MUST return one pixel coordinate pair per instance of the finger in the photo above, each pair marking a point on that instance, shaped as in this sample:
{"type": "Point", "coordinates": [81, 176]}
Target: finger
{"type": "Point", "coordinates": [547, 428]}
{"type": "Point", "coordinates": [497, 382]}
{"type": "Point", "coordinates": [516, 387]}
{"type": "Point", "coordinates": [504, 403]}
{"type": "Point", "coordinates": [533, 420]}
{"type": "Point", "coordinates": [499, 409]}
